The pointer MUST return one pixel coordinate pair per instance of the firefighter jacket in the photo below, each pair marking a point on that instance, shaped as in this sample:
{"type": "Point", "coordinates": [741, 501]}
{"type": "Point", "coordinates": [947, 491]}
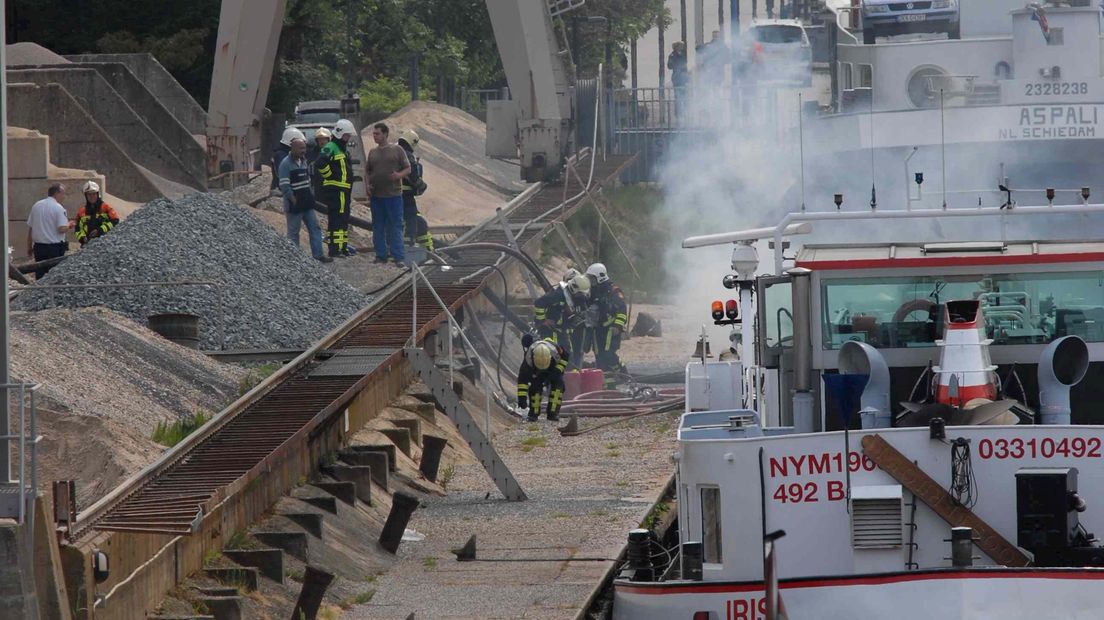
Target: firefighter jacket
{"type": "Point", "coordinates": [412, 184]}
{"type": "Point", "coordinates": [553, 313]}
{"type": "Point", "coordinates": [94, 220]}
{"type": "Point", "coordinates": [333, 166]}
{"type": "Point", "coordinates": [611, 305]}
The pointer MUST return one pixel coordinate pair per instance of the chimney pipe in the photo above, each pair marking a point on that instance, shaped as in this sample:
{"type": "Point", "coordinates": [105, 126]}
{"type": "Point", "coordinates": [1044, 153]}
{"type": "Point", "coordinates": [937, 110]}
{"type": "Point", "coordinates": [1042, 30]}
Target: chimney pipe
{"type": "Point", "coordinates": [859, 358]}
{"type": "Point", "coordinates": [1062, 366]}
{"type": "Point", "coordinates": [803, 406]}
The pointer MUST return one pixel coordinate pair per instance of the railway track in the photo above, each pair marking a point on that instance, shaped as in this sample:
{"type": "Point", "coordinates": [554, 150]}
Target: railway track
{"type": "Point", "coordinates": [173, 495]}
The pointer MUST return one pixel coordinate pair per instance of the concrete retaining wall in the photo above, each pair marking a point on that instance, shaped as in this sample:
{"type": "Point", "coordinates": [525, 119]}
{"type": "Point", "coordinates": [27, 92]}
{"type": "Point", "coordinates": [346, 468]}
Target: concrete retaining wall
{"type": "Point", "coordinates": [161, 83]}
{"type": "Point", "coordinates": [138, 583]}
{"type": "Point", "coordinates": [150, 109]}
{"type": "Point", "coordinates": [141, 143]}
{"type": "Point", "coordinates": [76, 139]}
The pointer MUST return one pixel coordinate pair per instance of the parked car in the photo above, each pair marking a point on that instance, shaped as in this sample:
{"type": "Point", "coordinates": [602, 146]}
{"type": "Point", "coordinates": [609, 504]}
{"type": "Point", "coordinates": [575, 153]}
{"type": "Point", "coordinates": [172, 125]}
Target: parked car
{"type": "Point", "coordinates": [778, 50]}
{"type": "Point", "coordinates": [889, 17]}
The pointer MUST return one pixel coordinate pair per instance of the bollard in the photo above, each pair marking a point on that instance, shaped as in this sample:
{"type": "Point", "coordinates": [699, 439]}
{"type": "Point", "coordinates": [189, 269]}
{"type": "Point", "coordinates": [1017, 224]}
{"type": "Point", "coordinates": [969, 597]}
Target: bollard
{"type": "Point", "coordinates": [692, 561]}
{"type": "Point", "coordinates": [315, 582]}
{"type": "Point", "coordinates": [962, 547]}
{"type": "Point", "coordinates": [640, 561]}
{"type": "Point", "coordinates": [402, 506]}
{"type": "Point", "coordinates": [432, 447]}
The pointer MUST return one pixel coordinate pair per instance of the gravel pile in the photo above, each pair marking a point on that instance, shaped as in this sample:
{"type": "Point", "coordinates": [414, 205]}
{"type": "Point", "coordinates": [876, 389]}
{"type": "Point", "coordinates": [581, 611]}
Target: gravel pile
{"type": "Point", "coordinates": [273, 295]}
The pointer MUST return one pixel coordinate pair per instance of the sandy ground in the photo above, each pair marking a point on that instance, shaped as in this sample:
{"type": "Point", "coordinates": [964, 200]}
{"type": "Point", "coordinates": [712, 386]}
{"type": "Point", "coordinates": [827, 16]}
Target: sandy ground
{"type": "Point", "coordinates": [585, 493]}
{"type": "Point", "coordinates": [106, 385]}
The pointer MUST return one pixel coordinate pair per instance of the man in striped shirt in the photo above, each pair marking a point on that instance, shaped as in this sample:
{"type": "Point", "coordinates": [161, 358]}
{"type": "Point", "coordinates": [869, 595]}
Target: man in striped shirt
{"type": "Point", "coordinates": [295, 183]}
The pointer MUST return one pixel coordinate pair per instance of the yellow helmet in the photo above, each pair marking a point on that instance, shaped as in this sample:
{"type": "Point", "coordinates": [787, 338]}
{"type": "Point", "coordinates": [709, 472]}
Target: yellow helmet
{"type": "Point", "coordinates": [322, 132]}
{"type": "Point", "coordinates": [542, 355]}
{"type": "Point", "coordinates": [410, 137]}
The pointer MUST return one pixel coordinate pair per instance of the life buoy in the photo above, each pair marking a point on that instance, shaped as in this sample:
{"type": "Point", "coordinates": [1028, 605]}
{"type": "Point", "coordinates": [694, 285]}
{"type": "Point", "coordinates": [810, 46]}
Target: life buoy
{"type": "Point", "coordinates": [914, 305]}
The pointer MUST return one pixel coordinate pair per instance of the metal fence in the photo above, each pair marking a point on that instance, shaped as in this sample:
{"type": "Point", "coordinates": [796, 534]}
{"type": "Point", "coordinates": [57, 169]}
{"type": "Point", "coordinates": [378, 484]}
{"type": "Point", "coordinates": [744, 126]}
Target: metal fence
{"type": "Point", "coordinates": [474, 100]}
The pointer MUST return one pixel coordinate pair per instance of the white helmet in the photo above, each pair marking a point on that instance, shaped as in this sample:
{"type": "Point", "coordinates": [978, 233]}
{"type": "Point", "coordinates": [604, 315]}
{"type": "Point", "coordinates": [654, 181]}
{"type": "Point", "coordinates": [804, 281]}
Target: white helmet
{"type": "Point", "coordinates": [598, 272]}
{"type": "Point", "coordinates": [342, 128]}
{"type": "Point", "coordinates": [91, 186]}
{"type": "Point", "coordinates": [410, 137]}
{"type": "Point", "coordinates": [579, 284]}
{"type": "Point", "coordinates": [570, 273]}
{"type": "Point", "coordinates": [541, 354]}
{"type": "Point", "coordinates": [322, 132]}
{"type": "Point", "coordinates": [292, 133]}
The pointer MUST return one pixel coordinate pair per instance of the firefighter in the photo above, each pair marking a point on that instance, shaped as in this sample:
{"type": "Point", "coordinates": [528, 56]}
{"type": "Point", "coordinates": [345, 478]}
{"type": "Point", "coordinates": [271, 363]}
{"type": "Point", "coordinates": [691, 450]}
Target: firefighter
{"type": "Point", "coordinates": [337, 187]}
{"type": "Point", "coordinates": [96, 217]}
{"type": "Point", "coordinates": [561, 309]}
{"type": "Point", "coordinates": [321, 139]}
{"type": "Point", "coordinates": [542, 366]}
{"type": "Point", "coordinates": [413, 185]}
{"type": "Point", "coordinates": [610, 318]}
{"type": "Point", "coordinates": [578, 336]}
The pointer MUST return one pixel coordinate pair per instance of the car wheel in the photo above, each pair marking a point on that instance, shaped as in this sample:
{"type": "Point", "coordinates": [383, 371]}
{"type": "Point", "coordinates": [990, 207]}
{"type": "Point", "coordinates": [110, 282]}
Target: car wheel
{"type": "Point", "coordinates": [868, 36]}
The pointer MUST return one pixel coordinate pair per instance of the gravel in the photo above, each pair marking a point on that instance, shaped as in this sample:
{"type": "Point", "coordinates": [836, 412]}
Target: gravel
{"type": "Point", "coordinates": [273, 294]}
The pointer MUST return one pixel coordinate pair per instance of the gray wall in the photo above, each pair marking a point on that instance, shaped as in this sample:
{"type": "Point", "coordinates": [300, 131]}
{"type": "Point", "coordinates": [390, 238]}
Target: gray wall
{"type": "Point", "coordinates": [76, 139]}
{"type": "Point", "coordinates": [117, 118]}
{"type": "Point", "coordinates": [157, 116]}
{"type": "Point", "coordinates": [161, 83]}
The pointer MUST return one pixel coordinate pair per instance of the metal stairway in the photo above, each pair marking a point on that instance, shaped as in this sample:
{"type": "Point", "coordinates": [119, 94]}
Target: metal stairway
{"type": "Point", "coordinates": [457, 412]}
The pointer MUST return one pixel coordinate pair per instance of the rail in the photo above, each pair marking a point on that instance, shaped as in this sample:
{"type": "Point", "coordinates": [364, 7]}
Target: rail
{"type": "Point", "coordinates": [26, 398]}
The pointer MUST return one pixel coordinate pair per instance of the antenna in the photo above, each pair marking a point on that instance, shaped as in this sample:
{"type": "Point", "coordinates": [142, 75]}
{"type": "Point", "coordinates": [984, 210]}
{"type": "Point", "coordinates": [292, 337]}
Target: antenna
{"type": "Point", "coordinates": [801, 146]}
{"type": "Point", "coordinates": [873, 189]}
{"type": "Point", "coordinates": [943, 147]}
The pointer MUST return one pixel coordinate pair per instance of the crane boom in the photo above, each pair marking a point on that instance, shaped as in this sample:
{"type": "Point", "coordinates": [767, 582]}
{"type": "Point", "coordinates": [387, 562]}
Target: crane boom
{"type": "Point", "coordinates": [248, 34]}
{"type": "Point", "coordinates": [535, 124]}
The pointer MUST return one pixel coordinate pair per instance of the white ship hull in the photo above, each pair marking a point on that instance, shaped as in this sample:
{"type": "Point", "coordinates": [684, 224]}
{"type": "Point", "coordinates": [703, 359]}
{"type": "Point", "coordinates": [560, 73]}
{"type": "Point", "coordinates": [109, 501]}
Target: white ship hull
{"type": "Point", "coordinates": [1007, 594]}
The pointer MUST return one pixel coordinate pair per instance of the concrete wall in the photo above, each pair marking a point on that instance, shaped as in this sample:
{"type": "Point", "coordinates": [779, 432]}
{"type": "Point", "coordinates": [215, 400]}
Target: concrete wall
{"type": "Point", "coordinates": [175, 136]}
{"type": "Point", "coordinates": [76, 140]}
{"type": "Point", "coordinates": [159, 82]}
{"type": "Point", "coordinates": [17, 590]}
{"type": "Point", "coordinates": [118, 119]}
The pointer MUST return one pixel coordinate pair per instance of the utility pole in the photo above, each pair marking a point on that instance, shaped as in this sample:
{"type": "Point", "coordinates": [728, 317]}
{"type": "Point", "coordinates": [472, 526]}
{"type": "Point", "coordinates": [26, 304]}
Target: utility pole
{"type": "Point", "coordinates": [662, 52]}
{"type": "Point", "coordinates": [5, 365]}
{"type": "Point", "coordinates": [682, 19]}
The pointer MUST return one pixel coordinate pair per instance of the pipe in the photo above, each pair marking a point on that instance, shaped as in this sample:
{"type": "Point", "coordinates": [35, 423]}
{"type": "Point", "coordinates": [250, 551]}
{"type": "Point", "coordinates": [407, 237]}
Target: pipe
{"type": "Point", "coordinates": [315, 583]}
{"type": "Point", "coordinates": [859, 358]}
{"type": "Point", "coordinates": [498, 247]}
{"type": "Point", "coordinates": [31, 267]}
{"type": "Point", "coordinates": [1062, 365]}
{"type": "Point", "coordinates": [432, 446]}
{"type": "Point", "coordinates": [402, 507]}
{"type": "Point", "coordinates": [802, 284]}
{"type": "Point", "coordinates": [5, 373]}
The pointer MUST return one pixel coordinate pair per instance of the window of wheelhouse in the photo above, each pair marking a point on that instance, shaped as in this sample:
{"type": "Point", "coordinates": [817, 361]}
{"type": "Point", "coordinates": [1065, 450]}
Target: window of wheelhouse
{"type": "Point", "coordinates": [711, 525]}
{"type": "Point", "coordinates": [907, 311]}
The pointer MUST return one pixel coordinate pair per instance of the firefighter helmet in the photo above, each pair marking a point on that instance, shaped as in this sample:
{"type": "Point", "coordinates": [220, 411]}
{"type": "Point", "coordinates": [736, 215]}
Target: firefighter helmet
{"type": "Point", "coordinates": [599, 273]}
{"type": "Point", "coordinates": [292, 133]}
{"type": "Point", "coordinates": [344, 127]}
{"type": "Point", "coordinates": [410, 137]}
{"type": "Point", "coordinates": [322, 132]}
{"type": "Point", "coordinates": [91, 186]}
{"type": "Point", "coordinates": [570, 274]}
{"type": "Point", "coordinates": [579, 285]}
{"type": "Point", "coordinates": [541, 354]}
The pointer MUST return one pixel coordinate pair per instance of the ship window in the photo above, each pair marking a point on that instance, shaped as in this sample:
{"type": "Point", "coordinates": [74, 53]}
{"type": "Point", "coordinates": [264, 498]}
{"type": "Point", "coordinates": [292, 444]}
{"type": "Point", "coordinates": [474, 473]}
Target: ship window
{"type": "Point", "coordinates": [846, 77]}
{"type": "Point", "coordinates": [711, 525]}
{"type": "Point", "coordinates": [907, 311]}
{"type": "Point", "coordinates": [866, 76]}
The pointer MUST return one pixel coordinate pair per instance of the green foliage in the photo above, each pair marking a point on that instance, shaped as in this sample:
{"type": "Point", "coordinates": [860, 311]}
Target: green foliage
{"type": "Point", "coordinates": [169, 435]}
{"type": "Point", "coordinates": [535, 441]}
{"type": "Point", "coordinates": [655, 515]}
{"type": "Point", "coordinates": [384, 95]}
{"type": "Point", "coordinates": [242, 540]}
{"type": "Point", "coordinates": [211, 557]}
{"type": "Point", "coordinates": [446, 475]}
{"type": "Point", "coordinates": [256, 375]}
{"type": "Point", "coordinates": [429, 563]}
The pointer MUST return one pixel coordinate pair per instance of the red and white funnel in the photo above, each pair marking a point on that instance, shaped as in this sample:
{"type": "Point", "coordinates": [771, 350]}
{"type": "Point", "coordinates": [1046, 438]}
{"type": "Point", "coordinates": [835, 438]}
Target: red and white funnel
{"type": "Point", "coordinates": [965, 370]}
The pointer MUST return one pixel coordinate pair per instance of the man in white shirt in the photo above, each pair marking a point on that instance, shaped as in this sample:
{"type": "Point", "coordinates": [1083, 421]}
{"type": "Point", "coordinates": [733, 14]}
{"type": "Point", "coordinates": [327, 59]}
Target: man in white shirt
{"type": "Point", "coordinates": [46, 228]}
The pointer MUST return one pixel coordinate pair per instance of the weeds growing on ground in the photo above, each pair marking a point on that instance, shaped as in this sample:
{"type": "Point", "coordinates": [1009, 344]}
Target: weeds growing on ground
{"type": "Point", "coordinates": [241, 540]}
{"type": "Point", "coordinates": [169, 435]}
{"type": "Point", "coordinates": [529, 443]}
{"type": "Point", "coordinates": [446, 475]}
{"type": "Point", "coordinates": [429, 563]}
{"type": "Point", "coordinates": [255, 376]}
